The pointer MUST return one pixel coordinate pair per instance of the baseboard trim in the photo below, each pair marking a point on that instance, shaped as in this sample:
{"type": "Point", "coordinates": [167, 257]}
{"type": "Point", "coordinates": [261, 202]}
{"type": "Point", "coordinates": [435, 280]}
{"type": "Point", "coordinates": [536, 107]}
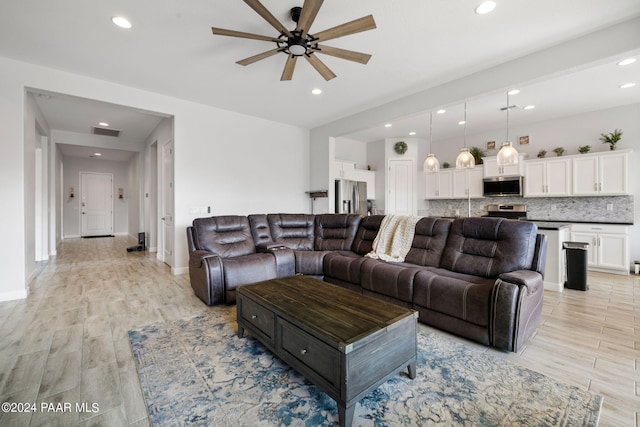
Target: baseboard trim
{"type": "Point", "coordinates": [14, 295]}
{"type": "Point", "coordinates": [179, 270]}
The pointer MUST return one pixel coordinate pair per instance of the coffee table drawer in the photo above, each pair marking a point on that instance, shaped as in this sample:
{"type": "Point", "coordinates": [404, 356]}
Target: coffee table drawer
{"type": "Point", "coordinates": [258, 316]}
{"type": "Point", "coordinates": [312, 353]}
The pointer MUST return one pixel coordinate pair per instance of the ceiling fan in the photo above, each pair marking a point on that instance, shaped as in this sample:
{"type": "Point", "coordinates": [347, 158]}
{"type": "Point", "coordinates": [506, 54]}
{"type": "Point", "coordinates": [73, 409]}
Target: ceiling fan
{"type": "Point", "coordinates": [300, 42]}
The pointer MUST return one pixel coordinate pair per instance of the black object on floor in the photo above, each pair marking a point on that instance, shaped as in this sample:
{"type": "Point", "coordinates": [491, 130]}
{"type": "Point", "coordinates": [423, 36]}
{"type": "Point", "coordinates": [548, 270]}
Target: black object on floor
{"type": "Point", "coordinates": [141, 244]}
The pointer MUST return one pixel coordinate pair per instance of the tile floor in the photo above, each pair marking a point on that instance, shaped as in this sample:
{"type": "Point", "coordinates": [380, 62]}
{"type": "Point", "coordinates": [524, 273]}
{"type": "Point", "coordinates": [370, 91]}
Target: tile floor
{"type": "Point", "coordinates": [66, 345]}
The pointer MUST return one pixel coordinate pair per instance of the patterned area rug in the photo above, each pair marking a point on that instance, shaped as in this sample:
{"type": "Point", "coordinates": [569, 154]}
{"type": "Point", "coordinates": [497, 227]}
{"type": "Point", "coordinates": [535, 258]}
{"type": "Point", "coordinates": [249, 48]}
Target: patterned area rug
{"type": "Point", "coordinates": [198, 372]}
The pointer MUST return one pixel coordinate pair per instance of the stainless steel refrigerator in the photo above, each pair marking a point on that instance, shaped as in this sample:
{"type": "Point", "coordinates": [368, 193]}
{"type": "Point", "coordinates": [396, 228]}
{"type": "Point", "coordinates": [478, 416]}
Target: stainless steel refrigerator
{"type": "Point", "coordinates": [351, 197]}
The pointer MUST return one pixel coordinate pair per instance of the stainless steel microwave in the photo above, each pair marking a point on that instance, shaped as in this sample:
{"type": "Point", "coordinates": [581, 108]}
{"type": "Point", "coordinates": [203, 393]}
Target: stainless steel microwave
{"type": "Point", "coordinates": [502, 186]}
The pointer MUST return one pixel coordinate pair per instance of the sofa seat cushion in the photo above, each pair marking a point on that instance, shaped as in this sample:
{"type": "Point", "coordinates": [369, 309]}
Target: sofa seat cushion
{"type": "Point", "coordinates": [391, 279]}
{"type": "Point", "coordinates": [344, 266]}
{"type": "Point", "coordinates": [462, 296]}
{"type": "Point", "coordinates": [248, 269]}
{"type": "Point", "coordinates": [310, 262]}
{"type": "Point", "coordinates": [487, 246]}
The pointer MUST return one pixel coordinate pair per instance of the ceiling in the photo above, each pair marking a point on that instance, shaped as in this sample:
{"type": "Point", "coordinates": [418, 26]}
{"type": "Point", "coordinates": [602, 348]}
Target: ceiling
{"type": "Point", "coordinates": [417, 44]}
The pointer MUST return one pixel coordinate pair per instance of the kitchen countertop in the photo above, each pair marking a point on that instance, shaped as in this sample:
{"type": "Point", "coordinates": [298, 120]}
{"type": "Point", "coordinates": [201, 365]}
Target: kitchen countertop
{"type": "Point", "coordinates": [544, 224]}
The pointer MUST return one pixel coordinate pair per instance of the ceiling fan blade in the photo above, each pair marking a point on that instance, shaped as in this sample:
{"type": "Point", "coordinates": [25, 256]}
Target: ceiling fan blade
{"type": "Point", "coordinates": [320, 67]}
{"type": "Point", "coordinates": [233, 33]}
{"type": "Point", "coordinates": [267, 16]}
{"type": "Point", "coordinates": [289, 66]}
{"type": "Point", "coordinates": [308, 15]}
{"type": "Point", "coordinates": [357, 25]}
{"type": "Point", "coordinates": [349, 55]}
{"type": "Point", "coordinates": [258, 57]}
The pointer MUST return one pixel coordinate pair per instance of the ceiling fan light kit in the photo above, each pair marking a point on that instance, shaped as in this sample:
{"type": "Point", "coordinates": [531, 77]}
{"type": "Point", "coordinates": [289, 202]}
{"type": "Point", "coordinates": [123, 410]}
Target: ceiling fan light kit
{"type": "Point", "coordinates": [299, 42]}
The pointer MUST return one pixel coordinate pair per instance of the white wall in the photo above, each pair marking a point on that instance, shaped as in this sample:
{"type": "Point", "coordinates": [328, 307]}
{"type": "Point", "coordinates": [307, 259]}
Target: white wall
{"type": "Point", "coordinates": [236, 163]}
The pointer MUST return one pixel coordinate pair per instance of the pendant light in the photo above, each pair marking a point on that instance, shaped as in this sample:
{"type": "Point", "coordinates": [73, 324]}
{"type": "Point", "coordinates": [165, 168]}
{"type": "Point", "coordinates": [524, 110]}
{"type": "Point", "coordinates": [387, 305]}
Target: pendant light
{"type": "Point", "coordinates": [465, 160]}
{"type": "Point", "coordinates": [507, 154]}
{"type": "Point", "coordinates": [431, 163]}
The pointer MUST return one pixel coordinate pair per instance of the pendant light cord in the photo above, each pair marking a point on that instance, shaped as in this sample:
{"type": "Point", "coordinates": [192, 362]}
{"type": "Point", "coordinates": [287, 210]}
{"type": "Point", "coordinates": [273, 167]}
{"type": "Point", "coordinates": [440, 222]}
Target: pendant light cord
{"type": "Point", "coordinates": [508, 108]}
{"type": "Point", "coordinates": [465, 124]}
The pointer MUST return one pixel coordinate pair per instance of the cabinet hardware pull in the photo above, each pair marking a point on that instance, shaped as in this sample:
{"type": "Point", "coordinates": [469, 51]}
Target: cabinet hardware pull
{"type": "Point", "coordinates": [254, 317]}
{"type": "Point", "coordinates": [303, 351]}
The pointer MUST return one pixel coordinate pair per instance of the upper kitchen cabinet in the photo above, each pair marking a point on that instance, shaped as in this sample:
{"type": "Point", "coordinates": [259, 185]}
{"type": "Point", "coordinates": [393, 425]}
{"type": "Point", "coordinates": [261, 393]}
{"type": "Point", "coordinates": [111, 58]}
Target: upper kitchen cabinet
{"type": "Point", "coordinates": [601, 174]}
{"type": "Point", "coordinates": [547, 177]}
{"type": "Point", "coordinates": [439, 184]}
{"type": "Point", "coordinates": [467, 183]}
{"type": "Point", "coordinates": [344, 170]}
{"type": "Point", "coordinates": [492, 169]}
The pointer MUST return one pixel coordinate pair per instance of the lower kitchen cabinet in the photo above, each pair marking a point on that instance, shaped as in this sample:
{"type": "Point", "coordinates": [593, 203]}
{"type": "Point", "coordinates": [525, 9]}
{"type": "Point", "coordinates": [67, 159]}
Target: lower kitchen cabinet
{"type": "Point", "coordinates": [608, 246]}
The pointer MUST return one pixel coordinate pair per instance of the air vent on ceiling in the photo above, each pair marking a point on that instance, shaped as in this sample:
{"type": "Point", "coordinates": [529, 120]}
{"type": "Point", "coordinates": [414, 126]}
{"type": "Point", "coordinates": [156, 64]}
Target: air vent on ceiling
{"type": "Point", "coordinates": [104, 131]}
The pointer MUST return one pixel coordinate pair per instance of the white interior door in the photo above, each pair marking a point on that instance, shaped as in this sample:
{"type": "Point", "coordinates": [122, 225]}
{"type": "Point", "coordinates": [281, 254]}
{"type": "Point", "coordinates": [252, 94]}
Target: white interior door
{"type": "Point", "coordinates": [401, 194]}
{"type": "Point", "coordinates": [96, 204]}
{"type": "Point", "coordinates": [167, 203]}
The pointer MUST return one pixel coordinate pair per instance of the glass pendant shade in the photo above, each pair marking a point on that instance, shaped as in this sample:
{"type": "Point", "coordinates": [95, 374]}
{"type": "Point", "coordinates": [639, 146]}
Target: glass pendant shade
{"type": "Point", "coordinates": [507, 155]}
{"type": "Point", "coordinates": [431, 164]}
{"type": "Point", "coordinates": [465, 159]}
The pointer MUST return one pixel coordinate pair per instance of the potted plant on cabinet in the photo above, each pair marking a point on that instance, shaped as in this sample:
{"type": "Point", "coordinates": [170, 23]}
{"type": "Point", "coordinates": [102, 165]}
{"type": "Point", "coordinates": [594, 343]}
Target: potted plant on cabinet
{"type": "Point", "coordinates": [559, 151]}
{"type": "Point", "coordinates": [542, 153]}
{"type": "Point", "coordinates": [611, 138]}
{"type": "Point", "coordinates": [477, 154]}
{"type": "Point", "coordinates": [584, 149]}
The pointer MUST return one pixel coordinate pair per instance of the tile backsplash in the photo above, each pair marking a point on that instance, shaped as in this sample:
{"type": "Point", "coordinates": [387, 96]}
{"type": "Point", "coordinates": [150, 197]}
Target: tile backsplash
{"type": "Point", "coordinates": [565, 209]}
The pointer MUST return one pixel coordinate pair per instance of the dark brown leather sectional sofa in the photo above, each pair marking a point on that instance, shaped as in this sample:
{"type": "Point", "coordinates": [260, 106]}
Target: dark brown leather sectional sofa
{"type": "Point", "coordinates": [480, 278]}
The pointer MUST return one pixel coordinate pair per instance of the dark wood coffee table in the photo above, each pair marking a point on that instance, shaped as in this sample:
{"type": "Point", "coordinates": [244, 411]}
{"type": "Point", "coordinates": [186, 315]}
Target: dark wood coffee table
{"type": "Point", "coordinates": [344, 342]}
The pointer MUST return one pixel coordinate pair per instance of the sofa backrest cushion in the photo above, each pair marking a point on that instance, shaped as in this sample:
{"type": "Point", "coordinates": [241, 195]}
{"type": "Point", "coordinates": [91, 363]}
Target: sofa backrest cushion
{"type": "Point", "coordinates": [335, 232]}
{"type": "Point", "coordinates": [226, 236]}
{"type": "Point", "coordinates": [260, 228]}
{"type": "Point", "coordinates": [487, 246]}
{"type": "Point", "coordinates": [295, 231]}
{"type": "Point", "coordinates": [366, 234]}
{"type": "Point", "coordinates": [429, 242]}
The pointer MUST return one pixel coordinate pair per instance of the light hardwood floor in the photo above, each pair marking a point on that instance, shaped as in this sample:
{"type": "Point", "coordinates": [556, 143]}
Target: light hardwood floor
{"type": "Point", "coordinates": [67, 342]}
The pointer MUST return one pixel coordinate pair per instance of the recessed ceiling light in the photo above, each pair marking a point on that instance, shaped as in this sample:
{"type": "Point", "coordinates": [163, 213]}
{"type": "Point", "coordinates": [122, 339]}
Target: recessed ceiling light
{"type": "Point", "coordinates": [388, 125]}
{"type": "Point", "coordinates": [97, 154]}
{"type": "Point", "coordinates": [412, 133]}
{"type": "Point", "coordinates": [627, 61]}
{"type": "Point", "coordinates": [461, 122]}
{"type": "Point", "coordinates": [627, 85]}
{"type": "Point", "coordinates": [103, 124]}
{"type": "Point", "coordinates": [514, 91]}
{"type": "Point", "coordinates": [529, 107]}
{"type": "Point", "coordinates": [441, 111]}
{"type": "Point", "coordinates": [485, 7]}
{"type": "Point", "coordinates": [121, 22]}
{"type": "Point", "coordinates": [316, 91]}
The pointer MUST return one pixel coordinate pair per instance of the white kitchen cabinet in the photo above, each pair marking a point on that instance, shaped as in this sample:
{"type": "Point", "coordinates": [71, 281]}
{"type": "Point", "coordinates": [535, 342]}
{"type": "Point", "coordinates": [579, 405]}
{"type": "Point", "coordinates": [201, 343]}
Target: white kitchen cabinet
{"type": "Point", "coordinates": [608, 246]}
{"type": "Point", "coordinates": [439, 184]}
{"type": "Point", "coordinates": [547, 177]}
{"type": "Point", "coordinates": [370, 178]}
{"type": "Point", "coordinates": [492, 169]}
{"type": "Point", "coordinates": [601, 174]}
{"type": "Point", "coordinates": [467, 183]}
{"type": "Point", "coordinates": [344, 170]}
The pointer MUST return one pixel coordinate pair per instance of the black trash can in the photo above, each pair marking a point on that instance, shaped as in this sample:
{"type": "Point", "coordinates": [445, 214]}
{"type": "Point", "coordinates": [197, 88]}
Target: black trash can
{"type": "Point", "coordinates": [576, 260]}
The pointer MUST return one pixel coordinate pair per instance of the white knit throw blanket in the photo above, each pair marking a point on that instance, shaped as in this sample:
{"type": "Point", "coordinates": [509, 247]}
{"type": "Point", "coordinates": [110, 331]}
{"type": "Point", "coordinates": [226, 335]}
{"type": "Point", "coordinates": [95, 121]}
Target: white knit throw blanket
{"type": "Point", "coordinates": [393, 241]}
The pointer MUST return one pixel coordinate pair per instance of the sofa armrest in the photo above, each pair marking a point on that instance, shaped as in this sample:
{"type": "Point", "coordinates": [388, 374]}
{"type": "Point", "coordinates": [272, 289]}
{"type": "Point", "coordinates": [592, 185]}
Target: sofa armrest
{"type": "Point", "coordinates": [269, 246]}
{"type": "Point", "coordinates": [531, 280]}
{"type": "Point", "coordinates": [516, 308]}
{"type": "Point", "coordinates": [285, 258]}
{"type": "Point", "coordinates": [198, 256]}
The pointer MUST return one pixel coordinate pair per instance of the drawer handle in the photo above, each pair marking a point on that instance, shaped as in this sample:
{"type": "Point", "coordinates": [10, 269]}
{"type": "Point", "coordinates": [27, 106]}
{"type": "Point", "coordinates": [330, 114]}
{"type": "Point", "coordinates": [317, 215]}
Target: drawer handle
{"type": "Point", "coordinates": [303, 351]}
{"type": "Point", "coordinates": [254, 317]}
